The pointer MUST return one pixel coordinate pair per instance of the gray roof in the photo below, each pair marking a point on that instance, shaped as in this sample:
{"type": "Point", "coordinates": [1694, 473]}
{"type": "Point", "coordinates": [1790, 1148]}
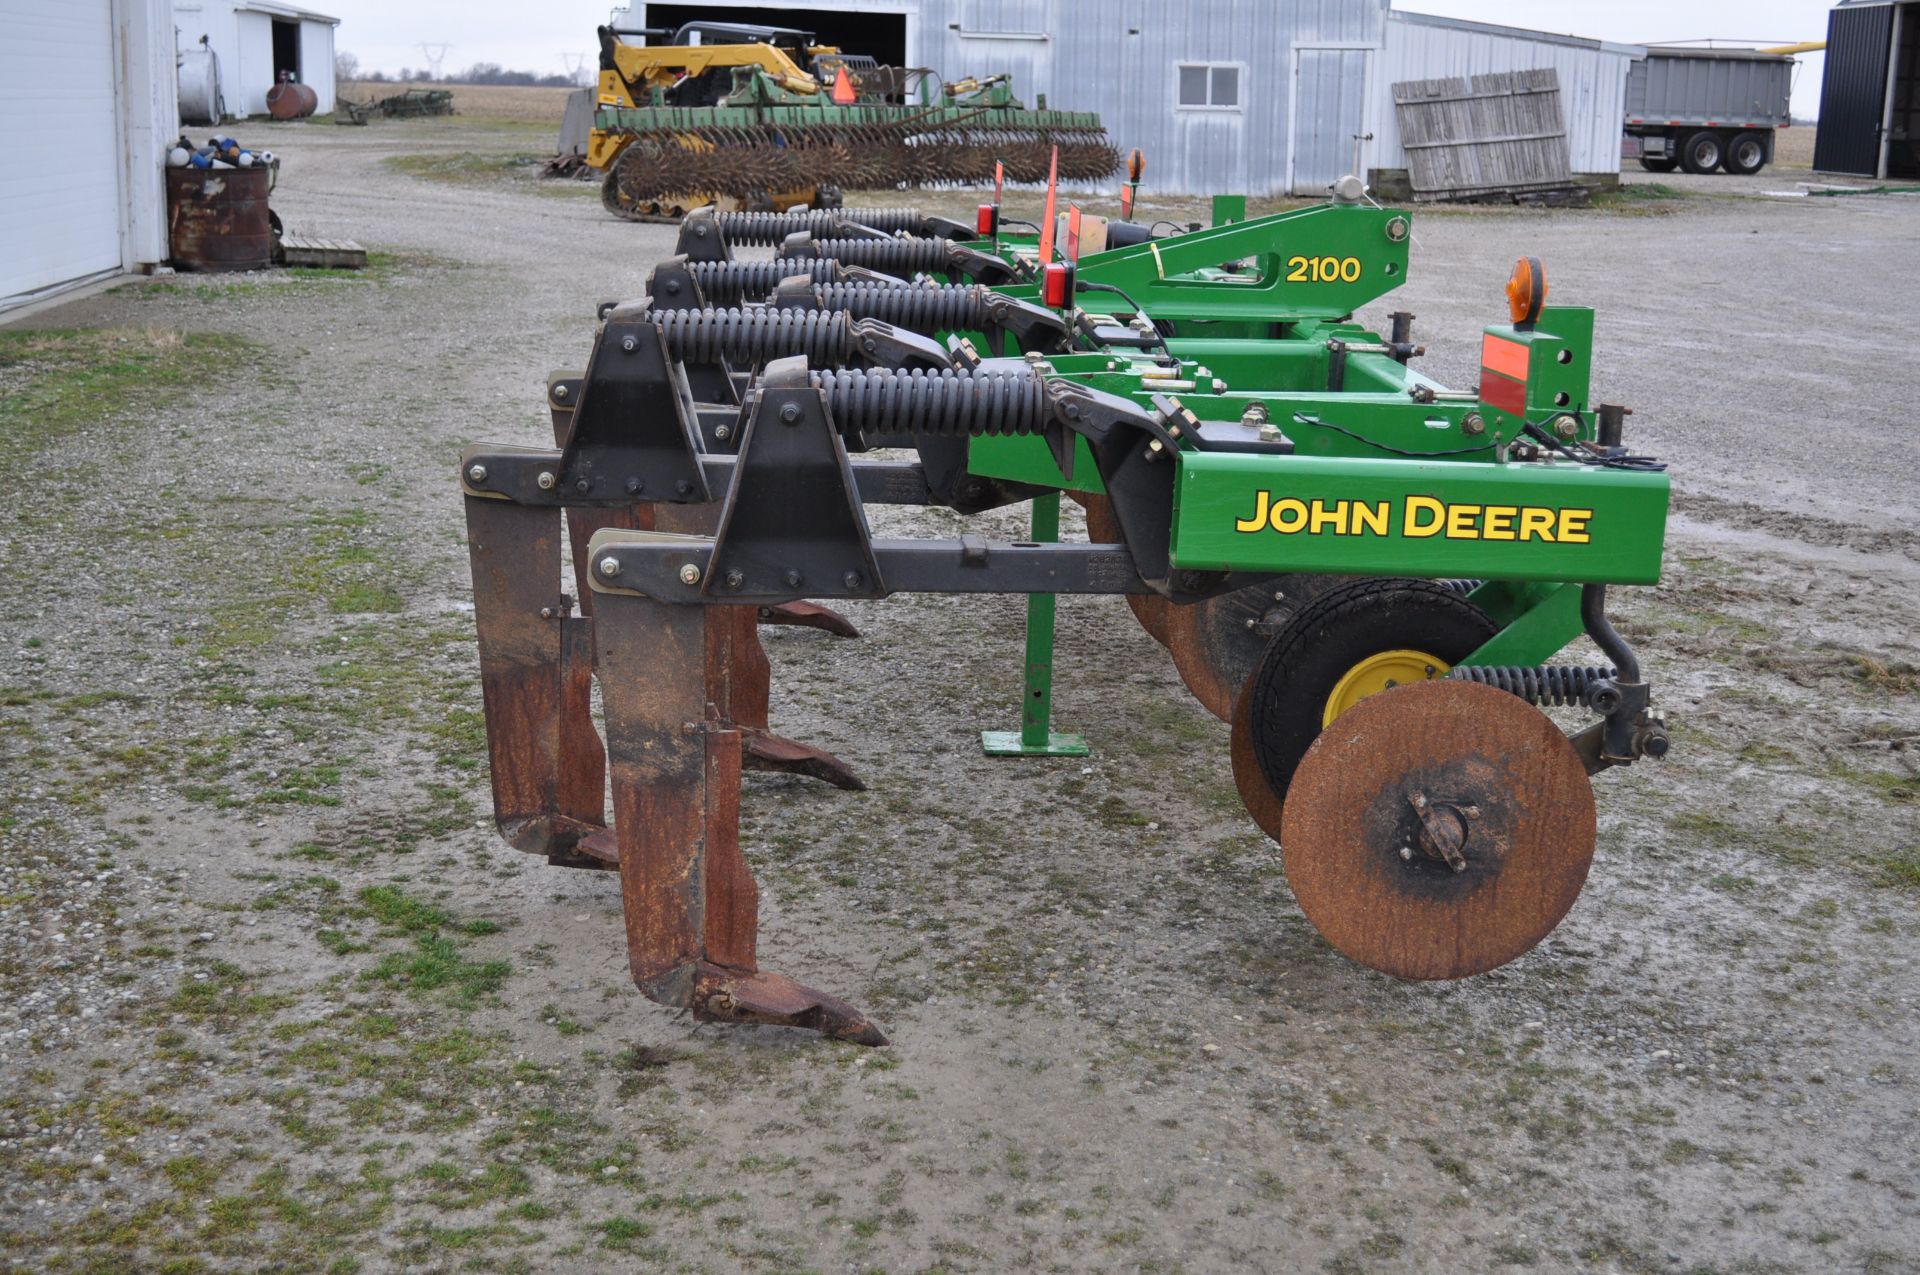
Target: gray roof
{"type": "Point", "coordinates": [1514, 33]}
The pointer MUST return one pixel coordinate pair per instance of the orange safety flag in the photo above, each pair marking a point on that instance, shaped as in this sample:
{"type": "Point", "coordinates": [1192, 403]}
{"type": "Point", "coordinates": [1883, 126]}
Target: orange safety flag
{"type": "Point", "coordinates": [999, 179]}
{"type": "Point", "coordinates": [1046, 222]}
{"type": "Point", "coordinates": [843, 88]}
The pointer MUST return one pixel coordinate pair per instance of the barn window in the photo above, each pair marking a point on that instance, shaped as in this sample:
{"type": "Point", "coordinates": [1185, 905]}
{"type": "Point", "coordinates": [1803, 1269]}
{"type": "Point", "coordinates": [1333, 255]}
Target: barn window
{"type": "Point", "coordinates": [1210, 86]}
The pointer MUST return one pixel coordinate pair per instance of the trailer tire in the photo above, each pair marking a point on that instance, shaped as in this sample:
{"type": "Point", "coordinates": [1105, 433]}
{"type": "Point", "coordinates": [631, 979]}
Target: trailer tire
{"type": "Point", "coordinates": [1659, 163]}
{"type": "Point", "coordinates": [1746, 154]}
{"type": "Point", "coordinates": [1329, 638]}
{"type": "Point", "coordinates": [1702, 152]}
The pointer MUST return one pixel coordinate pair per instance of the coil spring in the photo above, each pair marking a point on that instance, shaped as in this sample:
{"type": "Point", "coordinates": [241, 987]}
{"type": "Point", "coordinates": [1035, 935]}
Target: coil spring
{"type": "Point", "coordinates": [894, 256]}
{"type": "Point", "coordinates": [946, 402]}
{"type": "Point", "coordinates": [946, 308]}
{"type": "Point", "coordinates": [768, 229]}
{"type": "Point", "coordinates": [730, 282]}
{"type": "Point", "coordinates": [1554, 685]}
{"type": "Point", "coordinates": [755, 336]}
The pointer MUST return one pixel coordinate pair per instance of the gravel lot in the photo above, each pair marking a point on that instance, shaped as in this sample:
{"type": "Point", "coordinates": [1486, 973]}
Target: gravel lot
{"type": "Point", "coordinates": [273, 996]}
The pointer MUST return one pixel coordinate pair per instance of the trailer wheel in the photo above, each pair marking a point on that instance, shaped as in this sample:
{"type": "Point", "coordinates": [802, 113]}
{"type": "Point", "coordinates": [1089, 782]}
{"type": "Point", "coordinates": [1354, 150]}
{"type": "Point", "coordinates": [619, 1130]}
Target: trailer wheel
{"type": "Point", "coordinates": [1746, 154]}
{"type": "Point", "coordinates": [1346, 644]}
{"type": "Point", "coordinates": [1659, 163]}
{"type": "Point", "coordinates": [1701, 153]}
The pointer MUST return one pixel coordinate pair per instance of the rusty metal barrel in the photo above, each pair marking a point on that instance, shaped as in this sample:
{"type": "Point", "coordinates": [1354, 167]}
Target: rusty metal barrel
{"type": "Point", "coordinates": [217, 218]}
{"type": "Point", "coordinates": [291, 101]}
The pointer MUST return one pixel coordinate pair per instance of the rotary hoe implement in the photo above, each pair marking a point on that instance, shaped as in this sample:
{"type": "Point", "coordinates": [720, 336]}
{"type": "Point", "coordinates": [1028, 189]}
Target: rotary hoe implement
{"type": "Point", "coordinates": [1367, 574]}
{"type": "Point", "coordinates": [765, 117]}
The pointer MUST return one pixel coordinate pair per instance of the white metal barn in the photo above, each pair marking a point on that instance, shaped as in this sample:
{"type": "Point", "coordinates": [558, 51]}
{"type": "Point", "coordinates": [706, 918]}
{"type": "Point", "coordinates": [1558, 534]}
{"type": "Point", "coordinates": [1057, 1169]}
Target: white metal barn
{"type": "Point", "coordinates": [1224, 96]}
{"type": "Point", "coordinates": [253, 42]}
{"type": "Point", "coordinates": [88, 87]}
{"type": "Point", "coordinates": [1593, 81]}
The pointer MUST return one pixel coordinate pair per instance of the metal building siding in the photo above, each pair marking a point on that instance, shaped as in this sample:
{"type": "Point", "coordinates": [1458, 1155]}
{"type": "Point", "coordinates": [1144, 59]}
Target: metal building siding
{"type": "Point", "coordinates": [1121, 58]}
{"type": "Point", "coordinates": [1593, 81]}
{"type": "Point", "coordinates": [60, 210]}
{"type": "Point", "coordinates": [1853, 92]}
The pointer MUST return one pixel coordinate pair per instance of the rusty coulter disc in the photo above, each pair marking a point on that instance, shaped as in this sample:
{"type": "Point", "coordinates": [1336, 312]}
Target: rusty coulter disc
{"type": "Point", "coordinates": [1438, 830]}
{"type": "Point", "coordinates": [1104, 529]}
{"type": "Point", "coordinates": [1217, 644]}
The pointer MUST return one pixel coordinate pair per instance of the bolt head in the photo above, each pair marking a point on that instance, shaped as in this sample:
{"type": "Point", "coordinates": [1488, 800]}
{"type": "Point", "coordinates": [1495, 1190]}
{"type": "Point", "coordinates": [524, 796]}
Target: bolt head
{"type": "Point", "coordinates": [1406, 854]}
{"type": "Point", "coordinates": [1473, 424]}
{"type": "Point", "coordinates": [723, 432]}
{"type": "Point", "coordinates": [633, 486]}
{"type": "Point", "coordinates": [545, 480]}
{"type": "Point", "coordinates": [683, 487]}
{"type": "Point", "coordinates": [583, 486]}
{"type": "Point", "coordinates": [851, 579]}
{"type": "Point", "coordinates": [790, 414]}
{"type": "Point", "coordinates": [1567, 427]}
{"type": "Point", "coordinates": [629, 344]}
{"type": "Point", "coordinates": [735, 578]}
{"type": "Point", "coordinates": [690, 574]}
{"type": "Point", "coordinates": [559, 391]}
{"type": "Point", "coordinates": [609, 566]}
{"type": "Point", "coordinates": [793, 578]}
{"type": "Point", "coordinates": [477, 474]}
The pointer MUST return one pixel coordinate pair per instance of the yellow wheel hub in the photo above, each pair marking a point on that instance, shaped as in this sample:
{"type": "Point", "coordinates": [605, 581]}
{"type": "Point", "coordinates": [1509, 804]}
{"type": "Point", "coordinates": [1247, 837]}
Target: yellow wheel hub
{"type": "Point", "coordinates": [1377, 673]}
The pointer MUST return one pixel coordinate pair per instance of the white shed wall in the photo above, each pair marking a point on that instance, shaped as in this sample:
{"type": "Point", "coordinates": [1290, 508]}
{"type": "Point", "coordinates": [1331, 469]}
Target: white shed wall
{"type": "Point", "coordinates": [1593, 80]}
{"type": "Point", "coordinates": [316, 62]}
{"type": "Point", "coordinates": [98, 75]}
{"type": "Point", "coordinates": [253, 68]}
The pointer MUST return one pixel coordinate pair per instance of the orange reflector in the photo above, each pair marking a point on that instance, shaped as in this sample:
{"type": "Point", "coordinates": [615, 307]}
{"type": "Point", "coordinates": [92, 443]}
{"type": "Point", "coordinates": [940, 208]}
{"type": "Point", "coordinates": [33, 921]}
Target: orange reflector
{"type": "Point", "coordinates": [1526, 291]}
{"type": "Point", "coordinates": [1509, 358]}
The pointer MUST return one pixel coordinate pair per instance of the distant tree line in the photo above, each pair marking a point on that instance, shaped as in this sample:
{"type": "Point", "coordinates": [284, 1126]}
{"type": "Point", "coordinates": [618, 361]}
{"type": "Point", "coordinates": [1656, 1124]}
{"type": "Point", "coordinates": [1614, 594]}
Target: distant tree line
{"type": "Point", "coordinates": [347, 67]}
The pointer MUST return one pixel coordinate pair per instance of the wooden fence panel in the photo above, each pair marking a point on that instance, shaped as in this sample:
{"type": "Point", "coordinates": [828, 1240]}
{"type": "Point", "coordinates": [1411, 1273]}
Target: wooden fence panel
{"type": "Point", "coordinates": [1494, 134]}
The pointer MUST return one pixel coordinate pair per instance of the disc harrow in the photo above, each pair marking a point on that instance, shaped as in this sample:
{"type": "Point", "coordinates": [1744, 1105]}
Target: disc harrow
{"type": "Point", "coordinates": [1317, 532]}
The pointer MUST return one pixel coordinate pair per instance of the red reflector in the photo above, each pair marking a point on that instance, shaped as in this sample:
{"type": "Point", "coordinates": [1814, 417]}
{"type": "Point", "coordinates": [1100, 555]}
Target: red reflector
{"type": "Point", "coordinates": [1503, 392]}
{"type": "Point", "coordinates": [986, 221]}
{"type": "Point", "coordinates": [1056, 288]}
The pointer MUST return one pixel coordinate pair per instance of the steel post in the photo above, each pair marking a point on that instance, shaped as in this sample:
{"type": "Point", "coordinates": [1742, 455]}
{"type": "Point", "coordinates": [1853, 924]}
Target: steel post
{"type": "Point", "coordinates": [1036, 736]}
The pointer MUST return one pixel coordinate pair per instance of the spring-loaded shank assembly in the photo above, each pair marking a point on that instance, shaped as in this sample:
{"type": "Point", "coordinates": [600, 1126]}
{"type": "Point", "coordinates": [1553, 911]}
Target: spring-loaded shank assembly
{"type": "Point", "coordinates": [1316, 532]}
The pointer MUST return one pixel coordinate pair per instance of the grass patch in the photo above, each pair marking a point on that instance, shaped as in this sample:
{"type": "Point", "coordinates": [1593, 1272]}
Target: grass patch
{"type": "Point", "coordinates": [53, 382]}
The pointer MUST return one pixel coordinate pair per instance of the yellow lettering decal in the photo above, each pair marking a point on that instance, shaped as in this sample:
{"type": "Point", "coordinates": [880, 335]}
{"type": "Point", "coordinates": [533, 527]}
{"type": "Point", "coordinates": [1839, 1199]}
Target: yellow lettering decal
{"type": "Point", "coordinates": [1415, 529]}
{"type": "Point", "coordinates": [1573, 526]}
{"type": "Point", "coordinates": [1288, 516]}
{"type": "Point", "coordinates": [1369, 518]}
{"type": "Point", "coordinates": [1297, 268]}
{"type": "Point", "coordinates": [1536, 524]}
{"type": "Point", "coordinates": [1498, 524]}
{"type": "Point", "coordinates": [1259, 519]}
{"type": "Point", "coordinates": [1461, 520]}
{"type": "Point", "coordinates": [1324, 517]}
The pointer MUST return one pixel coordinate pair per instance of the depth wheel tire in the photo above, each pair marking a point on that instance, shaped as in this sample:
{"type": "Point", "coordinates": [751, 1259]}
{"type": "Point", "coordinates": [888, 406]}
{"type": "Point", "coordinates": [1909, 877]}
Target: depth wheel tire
{"type": "Point", "coordinates": [1659, 163]}
{"type": "Point", "coordinates": [1702, 152]}
{"type": "Point", "coordinates": [1746, 154]}
{"type": "Point", "coordinates": [1370, 628]}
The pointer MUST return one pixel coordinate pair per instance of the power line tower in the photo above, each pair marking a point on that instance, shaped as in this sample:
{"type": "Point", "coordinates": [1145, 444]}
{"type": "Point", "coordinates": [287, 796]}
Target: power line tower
{"type": "Point", "coordinates": [435, 54]}
{"type": "Point", "coordinates": [575, 64]}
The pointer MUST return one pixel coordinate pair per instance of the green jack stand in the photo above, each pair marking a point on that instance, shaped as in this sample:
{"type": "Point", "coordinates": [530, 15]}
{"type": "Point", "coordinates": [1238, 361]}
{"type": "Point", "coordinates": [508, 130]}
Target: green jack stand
{"type": "Point", "coordinates": [1036, 737]}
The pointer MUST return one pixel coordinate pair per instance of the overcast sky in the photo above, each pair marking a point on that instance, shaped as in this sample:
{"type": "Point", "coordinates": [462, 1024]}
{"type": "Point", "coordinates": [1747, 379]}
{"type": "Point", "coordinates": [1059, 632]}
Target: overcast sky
{"type": "Point", "coordinates": [536, 36]}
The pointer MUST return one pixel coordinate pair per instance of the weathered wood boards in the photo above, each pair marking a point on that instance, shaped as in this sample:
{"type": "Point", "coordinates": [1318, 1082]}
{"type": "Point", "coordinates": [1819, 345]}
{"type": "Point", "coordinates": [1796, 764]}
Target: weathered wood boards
{"type": "Point", "coordinates": [1493, 135]}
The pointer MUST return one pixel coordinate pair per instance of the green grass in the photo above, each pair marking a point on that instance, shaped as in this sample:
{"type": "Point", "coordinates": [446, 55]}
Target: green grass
{"type": "Point", "coordinates": [53, 382]}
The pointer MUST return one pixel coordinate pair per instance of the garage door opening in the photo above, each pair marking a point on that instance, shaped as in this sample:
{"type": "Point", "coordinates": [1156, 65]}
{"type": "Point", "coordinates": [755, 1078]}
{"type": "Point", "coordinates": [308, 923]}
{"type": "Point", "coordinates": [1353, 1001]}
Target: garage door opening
{"type": "Point", "coordinates": [881, 36]}
{"type": "Point", "coordinates": [286, 52]}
